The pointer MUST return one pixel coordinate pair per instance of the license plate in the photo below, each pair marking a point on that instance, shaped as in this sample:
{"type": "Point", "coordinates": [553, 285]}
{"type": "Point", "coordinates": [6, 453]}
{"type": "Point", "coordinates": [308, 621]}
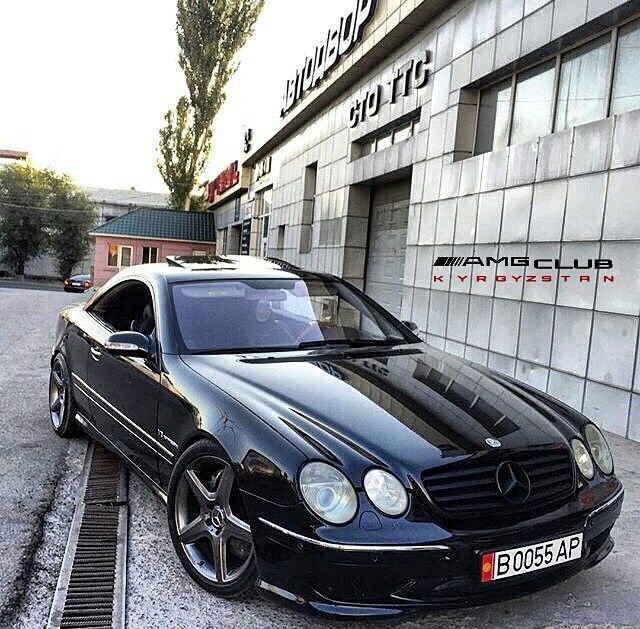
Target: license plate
{"type": "Point", "coordinates": [76, 284]}
{"type": "Point", "coordinates": [511, 563]}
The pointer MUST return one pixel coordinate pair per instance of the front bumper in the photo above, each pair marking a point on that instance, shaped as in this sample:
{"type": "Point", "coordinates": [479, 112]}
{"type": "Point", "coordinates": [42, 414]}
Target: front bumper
{"type": "Point", "coordinates": [371, 580]}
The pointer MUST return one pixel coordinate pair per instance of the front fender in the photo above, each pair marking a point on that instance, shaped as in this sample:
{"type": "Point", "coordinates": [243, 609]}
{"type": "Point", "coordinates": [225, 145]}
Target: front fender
{"type": "Point", "coordinates": [191, 407]}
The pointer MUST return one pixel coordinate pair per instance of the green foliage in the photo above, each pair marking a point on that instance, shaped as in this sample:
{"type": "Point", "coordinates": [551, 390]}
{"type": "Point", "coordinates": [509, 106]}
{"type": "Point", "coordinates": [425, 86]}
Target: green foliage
{"type": "Point", "coordinates": [210, 33]}
{"type": "Point", "coordinates": [70, 221]}
{"type": "Point", "coordinates": [22, 230]}
{"type": "Point", "coordinates": [41, 212]}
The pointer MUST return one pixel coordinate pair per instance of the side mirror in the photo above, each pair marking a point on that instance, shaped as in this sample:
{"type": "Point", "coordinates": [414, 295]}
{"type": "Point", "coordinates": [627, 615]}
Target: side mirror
{"type": "Point", "coordinates": [129, 344]}
{"type": "Point", "coordinates": [411, 325]}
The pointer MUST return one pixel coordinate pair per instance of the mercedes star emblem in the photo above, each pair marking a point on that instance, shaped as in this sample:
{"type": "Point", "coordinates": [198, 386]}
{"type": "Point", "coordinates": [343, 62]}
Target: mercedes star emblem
{"type": "Point", "coordinates": [513, 482]}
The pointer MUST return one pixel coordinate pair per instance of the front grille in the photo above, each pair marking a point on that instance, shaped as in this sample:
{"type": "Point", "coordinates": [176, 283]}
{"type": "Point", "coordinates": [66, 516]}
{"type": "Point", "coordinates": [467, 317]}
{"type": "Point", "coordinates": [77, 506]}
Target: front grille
{"type": "Point", "coordinates": [468, 489]}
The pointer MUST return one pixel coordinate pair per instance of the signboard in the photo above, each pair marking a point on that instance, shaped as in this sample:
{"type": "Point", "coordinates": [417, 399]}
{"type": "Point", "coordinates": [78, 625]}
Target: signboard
{"type": "Point", "coordinates": [263, 167]}
{"type": "Point", "coordinates": [341, 39]}
{"type": "Point", "coordinates": [226, 180]}
{"type": "Point", "coordinates": [245, 238]}
{"type": "Point", "coordinates": [414, 75]}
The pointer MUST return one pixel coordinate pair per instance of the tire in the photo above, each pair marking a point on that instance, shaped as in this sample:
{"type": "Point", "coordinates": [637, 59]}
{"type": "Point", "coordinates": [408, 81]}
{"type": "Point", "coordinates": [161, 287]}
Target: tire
{"type": "Point", "coordinates": [62, 407]}
{"type": "Point", "coordinates": [207, 522]}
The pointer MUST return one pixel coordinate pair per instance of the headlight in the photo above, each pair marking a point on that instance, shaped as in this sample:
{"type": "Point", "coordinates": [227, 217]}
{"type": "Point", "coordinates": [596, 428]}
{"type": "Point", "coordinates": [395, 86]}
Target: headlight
{"type": "Point", "coordinates": [386, 492]}
{"type": "Point", "coordinates": [583, 459]}
{"type": "Point", "coordinates": [599, 448]}
{"type": "Point", "coordinates": [328, 493]}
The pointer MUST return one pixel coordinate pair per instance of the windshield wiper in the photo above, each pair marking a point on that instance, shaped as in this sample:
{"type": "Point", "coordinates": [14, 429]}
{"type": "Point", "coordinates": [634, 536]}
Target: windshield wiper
{"type": "Point", "coordinates": [323, 343]}
{"type": "Point", "coordinates": [388, 342]}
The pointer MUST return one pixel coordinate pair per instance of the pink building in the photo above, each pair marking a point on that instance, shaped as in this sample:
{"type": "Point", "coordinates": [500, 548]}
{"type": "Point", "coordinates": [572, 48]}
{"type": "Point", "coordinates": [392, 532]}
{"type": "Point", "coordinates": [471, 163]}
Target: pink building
{"type": "Point", "coordinates": [147, 235]}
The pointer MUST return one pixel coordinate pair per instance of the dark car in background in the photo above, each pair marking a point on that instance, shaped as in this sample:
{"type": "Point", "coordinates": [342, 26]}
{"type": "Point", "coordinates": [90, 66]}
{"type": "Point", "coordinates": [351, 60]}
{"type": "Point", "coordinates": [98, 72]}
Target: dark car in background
{"type": "Point", "coordinates": [308, 443]}
{"type": "Point", "coordinates": [77, 284]}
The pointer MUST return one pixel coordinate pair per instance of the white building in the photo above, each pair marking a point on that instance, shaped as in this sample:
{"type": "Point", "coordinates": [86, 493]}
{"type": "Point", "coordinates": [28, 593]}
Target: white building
{"type": "Point", "coordinates": [423, 133]}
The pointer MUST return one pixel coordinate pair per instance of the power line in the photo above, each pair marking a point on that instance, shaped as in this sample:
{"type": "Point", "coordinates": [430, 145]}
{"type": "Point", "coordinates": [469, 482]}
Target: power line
{"type": "Point", "coordinates": [17, 207]}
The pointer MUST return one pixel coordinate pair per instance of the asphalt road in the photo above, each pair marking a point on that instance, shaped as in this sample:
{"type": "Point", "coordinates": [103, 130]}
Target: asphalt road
{"type": "Point", "coordinates": [38, 489]}
{"type": "Point", "coordinates": [31, 457]}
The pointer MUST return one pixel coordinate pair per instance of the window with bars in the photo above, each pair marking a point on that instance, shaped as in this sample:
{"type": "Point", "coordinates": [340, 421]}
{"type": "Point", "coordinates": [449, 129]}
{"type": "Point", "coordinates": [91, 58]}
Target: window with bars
{"type": "Point", "coordinates": [585, 83]}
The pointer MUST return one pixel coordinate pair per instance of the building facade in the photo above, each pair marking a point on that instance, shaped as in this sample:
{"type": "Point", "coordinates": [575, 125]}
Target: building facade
{"type": "Point", "coordinates": [147, 236]}
{"type": "Point", "coordinates": [472, 165]}
{"type": "Point", "coordinates": [108, 204]}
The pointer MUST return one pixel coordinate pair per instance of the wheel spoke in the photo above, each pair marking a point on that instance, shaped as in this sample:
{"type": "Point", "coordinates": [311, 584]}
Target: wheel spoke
{"type": "Point", "coordinates": [224, 485]}
{"type": "Point", "coordinates": [58, 380]}
{"type": "Point", "coordinates": [56, 406]}
{"type": "Point", "coordinates": [219, 551]}
{"type": "Point", "coordinates": [238, 529]}
{"type": "Point", "coordinates": [194, 531]}
{"type": "Point", "coordinates": [201, 493]}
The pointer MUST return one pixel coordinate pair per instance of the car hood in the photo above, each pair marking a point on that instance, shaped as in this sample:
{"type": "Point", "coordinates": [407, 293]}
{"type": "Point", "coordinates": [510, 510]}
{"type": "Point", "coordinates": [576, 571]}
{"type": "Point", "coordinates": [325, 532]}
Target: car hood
{"type": "Point", "coordinates": [407, 409]}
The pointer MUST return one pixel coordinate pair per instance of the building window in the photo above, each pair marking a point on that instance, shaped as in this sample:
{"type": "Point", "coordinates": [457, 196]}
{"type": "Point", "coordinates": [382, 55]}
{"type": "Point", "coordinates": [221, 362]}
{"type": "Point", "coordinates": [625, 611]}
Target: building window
{"type": "Point", "coordinates": [385, 141]}
{"type": "Point", "coordinates": [571, 88]}
{"type": "Point", "coordinates": [533, 104]}
{"type": "Point", "coordinates": [494, 117]}
{"type": "Point", "coordinates": [309, 194]}
{"type": "Point", "coordinates": [149, 255]}
{"type": "Point", "coordinates": [626, 84]}
{"type": "Point", "coordinates": [584, 79]}
{"type": "Point", "coordinates": [389, 137]}
{"type": "Point", "coordinates": [263, 204]}
{"type": "Point", "coordinates": [281, 233]}
{"type": "Point", "coordinates": [120, 256]}
{"type": "Point", "coordinates": [221, 241]}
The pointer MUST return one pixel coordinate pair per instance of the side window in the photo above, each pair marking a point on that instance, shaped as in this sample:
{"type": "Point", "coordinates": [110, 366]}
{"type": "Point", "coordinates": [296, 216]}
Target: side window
{"type": "Point", "coordinates": [126, 307]}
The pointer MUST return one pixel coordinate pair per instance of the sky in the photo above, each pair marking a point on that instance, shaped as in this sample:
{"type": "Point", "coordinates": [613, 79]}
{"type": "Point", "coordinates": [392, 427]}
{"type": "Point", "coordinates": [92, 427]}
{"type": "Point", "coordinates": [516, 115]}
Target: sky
{"type": "Point", "coordinates": [85, 85]}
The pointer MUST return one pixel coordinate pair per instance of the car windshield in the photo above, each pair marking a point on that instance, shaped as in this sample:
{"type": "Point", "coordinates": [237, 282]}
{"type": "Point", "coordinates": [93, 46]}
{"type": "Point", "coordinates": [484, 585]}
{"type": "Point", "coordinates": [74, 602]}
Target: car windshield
{"type": "Point", "coordinates": [238, 315]}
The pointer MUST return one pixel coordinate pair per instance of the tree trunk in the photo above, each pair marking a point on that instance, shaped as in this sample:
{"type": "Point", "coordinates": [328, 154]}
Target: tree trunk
{"type": "Point", "coordinates": [187, 203]}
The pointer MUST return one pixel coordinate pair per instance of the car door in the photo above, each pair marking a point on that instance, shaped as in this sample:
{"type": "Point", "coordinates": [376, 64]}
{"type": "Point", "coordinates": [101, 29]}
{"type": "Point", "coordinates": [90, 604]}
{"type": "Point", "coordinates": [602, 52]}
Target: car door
{"type": "Point", "coordinates": [125, 389]}
{"type": "Point", "coordinates": [80, 331]}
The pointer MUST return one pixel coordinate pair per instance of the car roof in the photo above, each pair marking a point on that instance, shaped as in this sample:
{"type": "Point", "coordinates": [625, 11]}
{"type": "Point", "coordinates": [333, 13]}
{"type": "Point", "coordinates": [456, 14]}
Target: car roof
{"type": "Point", "coordinates": [186, 269]}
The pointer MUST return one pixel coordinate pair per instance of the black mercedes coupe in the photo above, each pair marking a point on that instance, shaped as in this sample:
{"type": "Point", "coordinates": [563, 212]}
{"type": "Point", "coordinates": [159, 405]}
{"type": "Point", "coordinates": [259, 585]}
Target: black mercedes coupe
{"type": "Point", "coordinates": [309, 444]}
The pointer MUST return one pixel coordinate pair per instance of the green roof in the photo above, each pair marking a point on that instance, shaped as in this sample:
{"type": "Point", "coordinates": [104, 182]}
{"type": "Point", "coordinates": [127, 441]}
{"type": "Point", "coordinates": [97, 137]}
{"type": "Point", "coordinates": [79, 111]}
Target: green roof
{"type": "Point", "coordinates": [161, 224]}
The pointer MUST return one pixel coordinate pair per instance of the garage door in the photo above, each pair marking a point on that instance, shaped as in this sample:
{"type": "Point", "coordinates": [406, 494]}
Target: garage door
{"type": "Point", "coordinates": [388, 244]}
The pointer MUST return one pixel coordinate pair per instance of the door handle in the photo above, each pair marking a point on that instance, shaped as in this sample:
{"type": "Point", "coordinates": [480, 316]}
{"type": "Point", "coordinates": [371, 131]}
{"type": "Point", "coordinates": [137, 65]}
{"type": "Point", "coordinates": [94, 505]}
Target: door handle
{"type": "Point", "coordinates": [96, 354]}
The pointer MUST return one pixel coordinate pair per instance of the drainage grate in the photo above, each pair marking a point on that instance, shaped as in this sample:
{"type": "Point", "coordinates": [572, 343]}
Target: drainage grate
{"type": "Point", "coordinates": [103, 483]}
{"type": "Point", "coordinates": [91, 585]}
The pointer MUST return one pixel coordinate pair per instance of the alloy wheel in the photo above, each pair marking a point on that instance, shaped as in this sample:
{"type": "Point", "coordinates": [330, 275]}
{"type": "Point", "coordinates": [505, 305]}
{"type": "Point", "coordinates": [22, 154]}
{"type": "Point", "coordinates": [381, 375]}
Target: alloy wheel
{"type": "Point", "coordinates": [216, 540]}
{"type": "Point", "coordinates": [57, 395]}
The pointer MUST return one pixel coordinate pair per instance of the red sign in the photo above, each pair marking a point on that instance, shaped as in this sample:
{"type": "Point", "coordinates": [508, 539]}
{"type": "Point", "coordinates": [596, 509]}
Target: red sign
{"type": "Point", "coordinates": [228, 178]}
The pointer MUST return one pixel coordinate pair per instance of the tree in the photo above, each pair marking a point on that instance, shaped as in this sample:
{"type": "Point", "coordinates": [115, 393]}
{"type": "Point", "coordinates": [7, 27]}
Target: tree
{"type": "Point", "coordinates": [71, 218]}
{"type": "Point", "coordinates": [210, 33]}
{"type": "Point", "coordinates": [42, 212]}
{"type": "Point", "coordinates": [22, 229]}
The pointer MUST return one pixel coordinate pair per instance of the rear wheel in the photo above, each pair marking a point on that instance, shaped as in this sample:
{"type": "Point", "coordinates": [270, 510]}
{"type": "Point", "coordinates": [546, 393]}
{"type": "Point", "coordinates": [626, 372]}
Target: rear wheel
{"type": "Point", "coordinates": [62, 408]}
{"type": "Point", "coordinates": [207, 522]}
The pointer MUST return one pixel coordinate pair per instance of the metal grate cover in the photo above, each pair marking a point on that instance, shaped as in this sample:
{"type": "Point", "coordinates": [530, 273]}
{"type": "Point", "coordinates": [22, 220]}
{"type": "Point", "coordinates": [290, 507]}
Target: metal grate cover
{"type": "Point", "coordinates": [91, 585]}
